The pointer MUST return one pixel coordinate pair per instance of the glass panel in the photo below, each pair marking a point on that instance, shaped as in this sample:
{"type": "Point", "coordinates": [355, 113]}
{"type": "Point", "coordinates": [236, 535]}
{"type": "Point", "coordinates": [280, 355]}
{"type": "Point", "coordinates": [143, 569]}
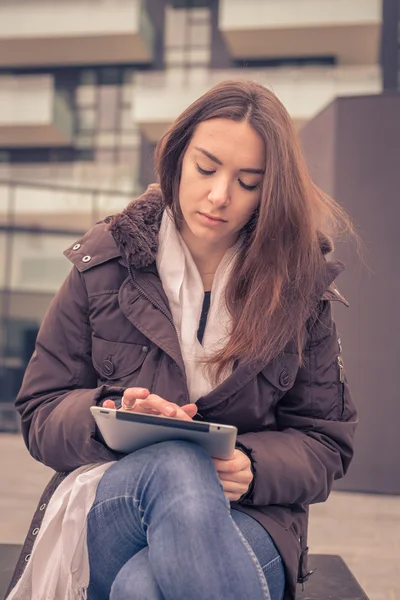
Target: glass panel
{"type": "Point", "coordinates": [84, 140]}
{"type": "Point", "coordinates": [86, 95]}
{"type": "Point", "coordinates": [200, 34]}
{"type": "Point", "coordinates": [129, 139]}
{"type": "Point", "coordinates": [110, 205]}
{"type": "Point", "coordinates": [127, 122]}
{"type": "Point", "coordinates": [175, 56]}
{"type": "Point", "coordinates": [175, 27]}
{"type": "Point", "coordinates": [108, 107]}
{"type": "Point", "coordinates": [88, 77]}
{"type": "Point", "coordinates": [105, 140]}
{"type": "Point", "coordinates": [86, 119]}
{"type": "Point", "coordinates": [127, 76]}
{"type": "Point", "coordinates": [3, 242]}
{"type": "Point", "coordinates": [52, 208]}
{"type": "Point", "coordinates": [37, 261]}
{"type": "Point", "coordinates": [110, 76]}
{"type": "Point", "coordinates": [4, 192]}
{"type": "Point", "coordinates": [17, 341]}
{"type": "Point", "coordinates": [127, 93]}
{"type": "Point", "coordinates": [129, 156]}
{"type": "Point", "coordinates": [105, 156]}
{"type": "Point", "coordinates": [29, 305]}
{"type": "Point", "coordinates": [199, 55]}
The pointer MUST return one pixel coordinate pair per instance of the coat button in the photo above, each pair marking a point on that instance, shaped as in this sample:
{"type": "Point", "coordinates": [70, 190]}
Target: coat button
{"type": "Point", "coordinates": [76, 247]}
{"type": "Point", "coordinates": [284, 378]}
{"type": "Point", "coordinates": [86, 259]}
{"type": "Point", "coordinates": [27, 557]}
{"type": "Point", "coordinates": [145, 348]}
{"type": "Point", "coordinates": [35, 531]}
{"type": "Point", "coordinates": [108, 367]}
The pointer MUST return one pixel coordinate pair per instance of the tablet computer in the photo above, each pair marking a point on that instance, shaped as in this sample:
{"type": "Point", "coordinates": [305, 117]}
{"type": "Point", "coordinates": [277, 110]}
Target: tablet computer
{"type": "Point", "coordinates": [126, 432]}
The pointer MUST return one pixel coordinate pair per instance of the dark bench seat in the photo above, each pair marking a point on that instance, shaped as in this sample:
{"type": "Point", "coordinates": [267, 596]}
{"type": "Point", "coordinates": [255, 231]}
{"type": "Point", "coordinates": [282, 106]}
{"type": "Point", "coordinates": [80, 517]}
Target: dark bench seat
{"type": "Point", "coordinates": [332, 579]}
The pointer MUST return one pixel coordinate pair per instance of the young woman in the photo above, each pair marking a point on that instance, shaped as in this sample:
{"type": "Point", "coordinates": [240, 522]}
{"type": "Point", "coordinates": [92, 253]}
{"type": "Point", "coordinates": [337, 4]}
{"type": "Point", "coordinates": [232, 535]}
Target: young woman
{"type": "Point", "coordinates": [209, 297]}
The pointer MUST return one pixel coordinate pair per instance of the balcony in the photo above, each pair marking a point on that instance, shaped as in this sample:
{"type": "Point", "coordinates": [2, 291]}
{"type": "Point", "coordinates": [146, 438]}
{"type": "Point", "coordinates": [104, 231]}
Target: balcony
{"type": "Point", "coordinates": [33, 113]}
{"type": "Point", "coordinates": [348, 30]}
{"type": "Point", "coordinates": [74, 32]}
{"type": "Point", "coordinates": [159, 97]}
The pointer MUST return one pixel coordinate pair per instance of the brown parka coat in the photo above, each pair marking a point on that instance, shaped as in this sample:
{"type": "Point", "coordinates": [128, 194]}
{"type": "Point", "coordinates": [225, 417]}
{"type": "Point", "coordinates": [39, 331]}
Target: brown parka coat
{"type": "Point", "coordinates": [110, 327]}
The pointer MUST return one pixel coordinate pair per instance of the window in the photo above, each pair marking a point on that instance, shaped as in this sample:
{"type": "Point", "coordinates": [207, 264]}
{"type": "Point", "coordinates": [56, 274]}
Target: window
{"type": "Point", "coordinates": [37, 261]}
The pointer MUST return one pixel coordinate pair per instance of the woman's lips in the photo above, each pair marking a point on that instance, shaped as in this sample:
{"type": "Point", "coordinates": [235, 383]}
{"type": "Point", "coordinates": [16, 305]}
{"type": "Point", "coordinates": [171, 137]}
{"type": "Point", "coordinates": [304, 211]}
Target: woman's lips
{"type": "Point", "coordinates": [211, 220]}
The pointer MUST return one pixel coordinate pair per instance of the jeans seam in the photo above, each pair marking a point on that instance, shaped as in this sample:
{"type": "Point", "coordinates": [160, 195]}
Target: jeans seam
{"type": "Point", "coordinates": [126, 497]}
{"type": "Point", "coordinates": [261, 576]}
{"type": "Point", "coordinates": [271, 562]}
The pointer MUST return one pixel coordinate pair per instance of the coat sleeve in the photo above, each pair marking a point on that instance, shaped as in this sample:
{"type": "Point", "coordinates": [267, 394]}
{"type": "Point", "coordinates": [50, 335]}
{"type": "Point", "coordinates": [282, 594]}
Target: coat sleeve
{"type": "Point", "coordinates": [59, 386]}
{"type": "Point", "coordinates": [316, 419]}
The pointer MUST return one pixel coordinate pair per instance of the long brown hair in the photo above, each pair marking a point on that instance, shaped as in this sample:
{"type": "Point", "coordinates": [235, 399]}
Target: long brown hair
{"type": "Point", "coordinates": [277, 282]}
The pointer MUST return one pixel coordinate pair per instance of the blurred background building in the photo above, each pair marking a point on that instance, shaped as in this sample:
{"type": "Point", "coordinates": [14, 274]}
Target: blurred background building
{"type": "Point", "coordinates": [87, 87]}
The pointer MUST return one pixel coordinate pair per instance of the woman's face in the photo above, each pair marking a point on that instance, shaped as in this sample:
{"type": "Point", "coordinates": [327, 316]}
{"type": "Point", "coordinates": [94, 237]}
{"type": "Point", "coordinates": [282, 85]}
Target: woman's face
{"type": "Point", "coordinates": [221, 178]}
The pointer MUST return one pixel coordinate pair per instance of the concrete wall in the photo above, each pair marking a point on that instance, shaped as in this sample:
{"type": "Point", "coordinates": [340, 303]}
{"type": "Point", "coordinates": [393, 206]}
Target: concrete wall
{"type": "Point", "coordinates": [353, 151]}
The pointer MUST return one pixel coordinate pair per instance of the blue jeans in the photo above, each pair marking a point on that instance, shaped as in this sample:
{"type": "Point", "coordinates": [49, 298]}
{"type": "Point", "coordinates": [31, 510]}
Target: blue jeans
{"type": "Point", "coordinates": [161, 528]}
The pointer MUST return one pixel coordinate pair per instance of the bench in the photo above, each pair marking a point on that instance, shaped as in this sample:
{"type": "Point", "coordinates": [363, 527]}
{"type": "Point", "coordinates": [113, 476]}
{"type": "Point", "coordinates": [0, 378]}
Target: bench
{"type": "Point", "coordinates": [332, 579]}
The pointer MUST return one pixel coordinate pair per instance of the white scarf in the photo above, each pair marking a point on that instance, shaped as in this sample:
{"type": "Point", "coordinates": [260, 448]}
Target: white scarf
{"type": "Point", "coordinates": [185, 291]}
{"type": "Point", "coordinates": [58, 568]}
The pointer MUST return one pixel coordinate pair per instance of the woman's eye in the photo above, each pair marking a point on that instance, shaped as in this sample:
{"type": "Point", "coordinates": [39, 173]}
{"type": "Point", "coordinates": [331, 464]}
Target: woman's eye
{"type": "Point", "coordinates": [203, 171]}
{"type": "Point", "coordinates": [250, 188]}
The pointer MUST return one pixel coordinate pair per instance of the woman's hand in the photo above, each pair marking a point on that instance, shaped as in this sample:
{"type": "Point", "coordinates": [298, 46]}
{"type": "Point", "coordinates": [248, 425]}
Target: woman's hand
{"type": "Point", "coordinates": [139, 400]}
{"type": "Point", "coordinates": [235, 474]}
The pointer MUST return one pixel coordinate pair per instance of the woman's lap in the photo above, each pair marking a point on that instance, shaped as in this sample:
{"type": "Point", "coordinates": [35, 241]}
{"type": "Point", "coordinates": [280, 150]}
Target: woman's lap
{"type": "Point", "coordinates": [106, 547]}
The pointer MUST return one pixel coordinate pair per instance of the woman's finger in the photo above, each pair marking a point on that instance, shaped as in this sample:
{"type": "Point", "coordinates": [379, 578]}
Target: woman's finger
{"type": "Point", "coordinates": [109, 404]}
{"type": "Point", "coordinates": [233, 490]}
{"type": "Point", "coordinates": [233, 497]}
{"type": "Point", "coordinates": [240, 478]}
{"type": "Point", "coordinates": [131, 395]}
{"type": "Point", "coordinates": [163, 407]}
{"type": "Point", "coordinates": [190, 409]}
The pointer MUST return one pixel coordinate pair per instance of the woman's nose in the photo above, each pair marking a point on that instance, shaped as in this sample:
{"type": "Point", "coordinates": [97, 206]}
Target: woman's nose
{"type": "Point", "coordinates": [219, 193]}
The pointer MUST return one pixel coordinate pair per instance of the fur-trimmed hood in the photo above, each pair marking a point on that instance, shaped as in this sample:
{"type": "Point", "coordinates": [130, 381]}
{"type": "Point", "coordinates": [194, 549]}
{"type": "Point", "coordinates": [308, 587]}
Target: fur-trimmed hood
{"type": "Point", "coordinates": [136, 228]}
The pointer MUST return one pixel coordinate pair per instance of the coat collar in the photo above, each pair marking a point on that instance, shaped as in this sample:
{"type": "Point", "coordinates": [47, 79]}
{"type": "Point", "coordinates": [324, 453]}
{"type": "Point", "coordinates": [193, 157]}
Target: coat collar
{"type": "Point", "coordinates": [135, 229]}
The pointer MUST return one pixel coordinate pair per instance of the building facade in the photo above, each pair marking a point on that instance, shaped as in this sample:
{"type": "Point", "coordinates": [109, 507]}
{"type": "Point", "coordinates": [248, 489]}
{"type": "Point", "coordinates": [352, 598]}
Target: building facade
{"type": "Point", "coordinates": [87, 87]}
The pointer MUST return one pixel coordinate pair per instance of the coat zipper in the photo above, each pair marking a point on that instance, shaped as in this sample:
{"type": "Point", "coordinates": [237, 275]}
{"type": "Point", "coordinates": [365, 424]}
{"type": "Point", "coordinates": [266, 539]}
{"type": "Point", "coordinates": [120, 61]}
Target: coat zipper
{"type": "Point", "coordinates": [341, 378]}
{"type": "Point", "coordinates": [153, 302]}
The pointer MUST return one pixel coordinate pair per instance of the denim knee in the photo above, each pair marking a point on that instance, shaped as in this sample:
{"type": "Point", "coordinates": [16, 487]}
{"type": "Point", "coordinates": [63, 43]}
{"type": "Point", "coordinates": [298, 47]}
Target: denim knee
{"type": "Point", "coordinates": [173, 464]}
{"type": "Point", "coordinates": [136, 580]}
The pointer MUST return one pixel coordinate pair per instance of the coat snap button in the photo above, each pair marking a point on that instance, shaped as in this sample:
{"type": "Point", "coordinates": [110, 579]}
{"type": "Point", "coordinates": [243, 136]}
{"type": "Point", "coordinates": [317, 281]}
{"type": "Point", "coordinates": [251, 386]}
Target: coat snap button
{"type": "Point", "coordinates": [27, 557]}
{"type": "Point", "coordinates": [86, 259]}
{"type": "Point", "coordinates": [35, 531]}
{"type": "Point", "coordinates": [42, 507]}
{"type": "Point", "coordinates": [108, 367]}
{"type": "Point", "coordinates": [284, 378]}
{"type": "Point", "coordinates": [76, 247]}
{"type": "Point", "coordinates": [145, 348]}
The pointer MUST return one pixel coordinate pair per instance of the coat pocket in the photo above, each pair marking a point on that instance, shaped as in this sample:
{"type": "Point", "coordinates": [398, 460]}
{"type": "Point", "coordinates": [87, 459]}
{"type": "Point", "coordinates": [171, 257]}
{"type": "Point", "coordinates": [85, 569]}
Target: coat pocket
{"type": "Point", "coordinates": [282, 371]}
{"type": "Point", "coordinates": [115, 361]}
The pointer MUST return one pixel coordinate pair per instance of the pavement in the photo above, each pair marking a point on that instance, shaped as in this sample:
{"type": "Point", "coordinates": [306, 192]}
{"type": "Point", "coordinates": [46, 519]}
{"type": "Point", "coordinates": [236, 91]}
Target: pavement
{"type": "Point", "coordinates": [363, 528]}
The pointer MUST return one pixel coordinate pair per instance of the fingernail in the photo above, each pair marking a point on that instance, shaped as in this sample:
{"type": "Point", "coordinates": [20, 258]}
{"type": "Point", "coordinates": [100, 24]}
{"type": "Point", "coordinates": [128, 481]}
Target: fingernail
{"type": "Point", "coordinates": [169, 410]}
